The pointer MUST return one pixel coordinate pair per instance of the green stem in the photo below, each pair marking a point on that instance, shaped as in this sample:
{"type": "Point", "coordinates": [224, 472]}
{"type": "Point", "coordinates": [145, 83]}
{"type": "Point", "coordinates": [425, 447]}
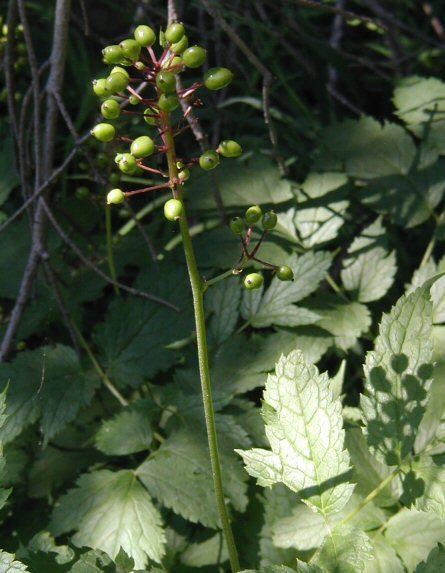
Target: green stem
{"type": "Point", "coordinates": [372, 495]}
{"type": "Point", "coordinates": [110, 254]}
{"type": "Point", "coordinates": [197, 287]}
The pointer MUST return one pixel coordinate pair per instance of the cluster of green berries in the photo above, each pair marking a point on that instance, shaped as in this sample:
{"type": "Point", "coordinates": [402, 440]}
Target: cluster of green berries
{"type": "Point", "coordinates": [19, 55]}
{"type": "Point", "coordinates": [268, 221]}
{"type": "Point", "coordinates": [117, 91]}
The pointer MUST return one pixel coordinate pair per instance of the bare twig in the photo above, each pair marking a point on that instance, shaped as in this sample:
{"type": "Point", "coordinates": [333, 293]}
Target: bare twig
{"type": "Point", "coordinates": [435, 22]}
{"type": "Point", "coordinates": [258, 64]}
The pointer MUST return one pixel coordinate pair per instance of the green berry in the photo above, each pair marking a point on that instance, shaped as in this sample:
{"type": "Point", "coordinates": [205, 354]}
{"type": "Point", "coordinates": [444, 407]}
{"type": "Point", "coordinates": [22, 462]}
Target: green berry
{"type": "Point", "coordinates": [102, 160]}
{"type": "Point", "coordinates": [139, 65]}
{"type": "Point", "coordinates": [142, 146]}
{"type": "Point", "coordinates": [82, 193]}
{"type": "Point", "coordinates": [168, 102]}
{"type": "Point", "coordinates": [166, 82]}
{"type": "Point", "coordinates": [110, 109]}
{"type": "Point", "coordinates": [117, 82]}
{"type": "Point", "coordinates": [209, 160]}
{"type": "Point", "coordinates": [285, 273]}
{"type": "Point", "coordinates": [133, 100]}
{"type": "Point", "coordinates": [120, 70]}
{"type": "Point", "coordinates": [184, 175]}
{"type": "Point", "coordinates": [128, 163]}
{"type": "Point", "coordinates": [114, 178]}
{"type": "Point", "coordinates": [253, 281]}
{"type": "Point", "coordinates": [115, 196]}
{"type": "Point", "coordinates": [174, 32]}
{"type": "Point", "coordinates": [103, 132]}
{"type": "Point", "coordinates": [145, 36]}
{"type": "Point", "coordinates": [118, 158]}
{"type": "Point", "coordinates": [149, 117]}
{"type": "Point", "coordinates": [131, 49]}
{"type": "Point", "coordinates": [229, 148]}
{"type": "Point", "coordinates": [100, 88]}
{"type": "Point", "coordinates": [269, 220]}
{"type": "Point", "coordinates": [194, 56]}
{"type": "Point", "coordinates": [180, 46]}
{"type": "Point", "coordinates": [217, 78]}
{"type": "Point", "coordinates": [253, 214]}
{"type": "Point", "coordinates": [113, 54]}
{"type": "Point", "coordinates": [175, 62]}
{"type": "Point", "coordinates": [173, 209]}
{"type": "Point", "coordinates": [237, 225]}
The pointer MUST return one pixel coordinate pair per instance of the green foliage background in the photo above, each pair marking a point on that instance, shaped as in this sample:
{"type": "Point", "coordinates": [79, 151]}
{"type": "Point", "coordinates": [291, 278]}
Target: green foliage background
{"type": "Point", "coordinates": [330, 389]}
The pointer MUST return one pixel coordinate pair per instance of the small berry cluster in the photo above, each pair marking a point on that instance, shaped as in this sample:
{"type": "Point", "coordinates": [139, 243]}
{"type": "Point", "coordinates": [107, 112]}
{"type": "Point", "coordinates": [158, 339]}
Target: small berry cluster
{"type": "Point", "coordinates": [268, 220]}
{"type": "Point", "coordinates": [119, 90]}
{"type": "Point", "coordinates": [19, 56]}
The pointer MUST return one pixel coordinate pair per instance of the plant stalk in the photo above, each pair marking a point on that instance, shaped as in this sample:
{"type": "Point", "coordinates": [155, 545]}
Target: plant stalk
{"type": "Point", "coordinates": [198, 288]}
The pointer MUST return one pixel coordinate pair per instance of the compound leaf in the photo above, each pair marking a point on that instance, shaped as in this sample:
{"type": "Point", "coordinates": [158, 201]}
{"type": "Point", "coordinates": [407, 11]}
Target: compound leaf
{"type": "Point", "coordinates": [398, 375]}
{"type": "Point", "coordinates": [111, 510]}
{"type": "Point", "coordinates": [304, 429]}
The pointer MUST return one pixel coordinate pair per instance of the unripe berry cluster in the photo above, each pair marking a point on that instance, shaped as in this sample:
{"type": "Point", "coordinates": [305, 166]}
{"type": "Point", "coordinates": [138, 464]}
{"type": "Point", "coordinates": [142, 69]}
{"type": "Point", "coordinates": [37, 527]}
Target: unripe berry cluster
{"type": "Point", "coordinates": [243, 228]}
{"type": "Point", "coordinates": [154, 88]}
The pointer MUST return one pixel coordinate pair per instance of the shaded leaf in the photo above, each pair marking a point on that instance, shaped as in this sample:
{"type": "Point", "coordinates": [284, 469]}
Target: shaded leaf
{"type": "Point", "coordinates": [413, 534]}
{"type": "Point", "coordinates": [222, 301]}
{"type": "Point", "coordinates": [385, 559]}
{"type": "Point", "coordinates": [8, 563]}
{"type": "Point", "coordinates": [420, 104]}
{"type": "Point", "coordinates": [127, 433]}
{"type": "Point", "coordinates": [369, 270]}
{"type": "Point", "coordinates": [276, 303]}
{"type": "Point", "coordinates": [210, 552]}
{"type": "Point", "coordinates": [398, 375]}
{"type": "Point", "coordinates": [48, 383]}
{"type": "Point", "coordinates": [434, 563]}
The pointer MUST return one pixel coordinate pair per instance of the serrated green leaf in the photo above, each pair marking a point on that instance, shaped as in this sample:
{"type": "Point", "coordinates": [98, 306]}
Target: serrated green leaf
{"type": "Point", "coordinates": [52, 468]}
{"type": "Point", "coordinates": [432, 486]}
{"type": "Point", "coordinates": [398, 374]}
{"type": "Point", "coordinates": [222, 301]}
{"type": "Point", "coordinates": [297, 407]}
{"type": "Point", "coordinates": [413, 534]}
{"type": "Point", "coordinates": [127, 433]}
{"type": "Point", "coordinates": [44, 542]}
{"type": "Point", "coordinates": [368, 272]}
{"type": "Point", "coordinates": [420, 104]}
{"type": "Point", "coordinates": [37, 390]}
{"type": "Point", "coordinates": [241, 184]}
{"type": "Point", "coordinates": [385, 559]}
{"type": "Point", "coordinates": [133, 339]}
{"type": "Point", "coordinates": [344, 321]}
{"type": "Point", "coordinates": [110, 510]}
{"type": "Point", "coordinates": [337, 380]}
{"type": "Point", "coordinates": [277, 569]}
{"type": "Point", "coordinates": [276, 303]}
{"type": "Point", "coordinates": [311, 340]}
{"type": "Point", "coordinates": [368, 473]}
{"type": "Point", "coordinates": [434, 563]}
{"type": "Point", "coordinates": [385, 157]}
{"type": "Point", "coordinates": [213, 551]}
{"type": "Point", "coordinates": [303, 567]}
{"type": "Point", "coordinates": [179, 474]}
{"type": "Point", "coordinates": [421, 275]}
{"type": "Point", "coordinates": [345, 550]}
{"type": "Point", "coordinates": [93, 561]}
{"type": "Point", "coordinates": [321, 208]}
{"type": "Point", "coordinates": [430, 425]}
{"type": "Point", "coordinates": [304, 530]}
{"type": "Point", "coordinates": [278, 502]}
{"type": "Point", "coordinates": [8, 563]}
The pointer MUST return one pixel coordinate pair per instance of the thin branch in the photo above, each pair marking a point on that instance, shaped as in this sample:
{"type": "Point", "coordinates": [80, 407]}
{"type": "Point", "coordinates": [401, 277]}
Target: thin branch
{"type": "Point", "coordinates": [258, 64]}
{"type": "Point", "coordinates": [96, 269]}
